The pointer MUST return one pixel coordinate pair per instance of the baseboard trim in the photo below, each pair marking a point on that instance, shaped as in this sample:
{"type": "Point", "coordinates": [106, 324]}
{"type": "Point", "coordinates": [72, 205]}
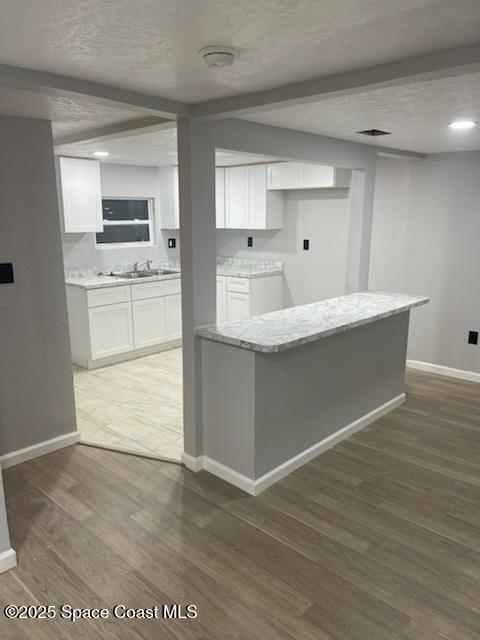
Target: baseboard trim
{"type": "Point", "coordinates": [8, 560]}
{"type": "Point", "coordinates": [39, 449]}
{"type": "Point", "coordinates": [254, 487]}
{"type": "Point", "coordinates": [428, 367]}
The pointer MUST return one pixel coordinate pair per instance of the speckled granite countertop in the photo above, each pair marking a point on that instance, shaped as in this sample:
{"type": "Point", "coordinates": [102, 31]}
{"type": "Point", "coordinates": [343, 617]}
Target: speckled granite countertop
{"type": "Point", "coordinates": [90, 278]}
{"type": "Point", "coordinates": [295, 326]}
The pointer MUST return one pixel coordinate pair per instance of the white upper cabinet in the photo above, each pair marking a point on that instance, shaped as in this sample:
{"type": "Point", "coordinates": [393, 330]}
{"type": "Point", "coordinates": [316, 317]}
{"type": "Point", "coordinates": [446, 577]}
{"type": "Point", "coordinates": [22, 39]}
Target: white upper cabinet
{"type": "Point", "coordinates": [220, 197]}
{"type": "Point", "coordinates": [168, 208]}
{"type": "Point", "coordinates": [299, 175]}
{"type": "Point", "coordinates": [248, 204]}
{"type": "Point", "coordinates": [81, 192]}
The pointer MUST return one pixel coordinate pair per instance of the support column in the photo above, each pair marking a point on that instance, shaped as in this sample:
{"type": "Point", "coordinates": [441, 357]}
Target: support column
{"type": "Point", "coordinates": [362, 189]}
{"type": "Point", "coordinates": [196, 163]}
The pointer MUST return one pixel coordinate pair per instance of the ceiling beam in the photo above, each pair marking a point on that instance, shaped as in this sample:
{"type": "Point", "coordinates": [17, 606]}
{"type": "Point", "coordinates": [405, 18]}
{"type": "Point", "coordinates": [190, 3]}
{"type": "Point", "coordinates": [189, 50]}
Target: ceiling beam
{"type": "Point", "coordinates": [58, 85]}
{"type": "Point", "coordinates": [124, 129]}
{"type": "Point", "coordinates": [439, 64]}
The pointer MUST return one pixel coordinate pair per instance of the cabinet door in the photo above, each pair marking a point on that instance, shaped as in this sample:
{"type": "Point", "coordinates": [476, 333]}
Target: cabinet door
{"type": "Point", "coordinates": [285, 175]}
{"type": "Point", "coordinates": [81, 195]}
{"type": "Point", "coordinates": [167, 198]}
{"type": "Point", "coordinates": [221, 299]}
{"type": "Point", "coordinates": [173, 316]}
{"type": "Point", "coordinates": [257, 197]}
{"type": "Point", "coordinates": [238, 306]}
{"type": "Point", "coordinates": [148, 322]}
{"type": "Point", "coordinates": [317, 176]}
{"type": "Point", "coordinates": [111, 330]}
{"type": "Point", "coordinates": [236, 197]}
{"type": "Point", "coordinates": [220, 197]}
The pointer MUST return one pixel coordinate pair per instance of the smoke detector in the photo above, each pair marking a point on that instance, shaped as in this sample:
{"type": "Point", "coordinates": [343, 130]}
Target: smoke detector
{"type": "Point", "coordinates": [219, 56]}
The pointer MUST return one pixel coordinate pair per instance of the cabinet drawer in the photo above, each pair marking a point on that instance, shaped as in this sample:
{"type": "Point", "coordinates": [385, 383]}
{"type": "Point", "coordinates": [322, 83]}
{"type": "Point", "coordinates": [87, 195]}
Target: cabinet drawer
{"type": "Point", "coordinates": [148, 290]}
{"type": "Point", "coordinates": [172, 286]}
{"type": "Point", "coordinates": [112, 295]}
{"type": "Point", "coordinates": [238, 306]}
{"type": "Point", "coordinates": [238, 285]}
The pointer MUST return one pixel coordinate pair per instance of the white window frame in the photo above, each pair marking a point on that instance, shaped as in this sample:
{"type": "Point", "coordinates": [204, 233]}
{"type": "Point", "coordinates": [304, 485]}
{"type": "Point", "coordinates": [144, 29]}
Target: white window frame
{"type": "Point", "coordinates": [107, 246]}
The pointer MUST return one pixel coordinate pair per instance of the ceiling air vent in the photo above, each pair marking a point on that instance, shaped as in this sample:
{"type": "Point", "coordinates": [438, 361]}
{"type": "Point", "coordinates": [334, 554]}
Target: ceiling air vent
{"type": "Point", "coordinates": [375, 132]}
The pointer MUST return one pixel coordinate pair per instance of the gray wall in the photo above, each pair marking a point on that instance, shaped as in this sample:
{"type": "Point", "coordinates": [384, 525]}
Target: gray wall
{"type": "Point", "coordinates": [426, 239]}
{"type": "Point", "coordinates": [36, 387]}
{"type": "Point", "coordinates": [322, 216]}
{"type": "Point", "coordinates": [120, 181]}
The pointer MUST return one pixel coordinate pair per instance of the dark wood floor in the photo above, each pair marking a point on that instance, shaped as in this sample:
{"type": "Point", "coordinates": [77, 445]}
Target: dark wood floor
{"type": "Point", "coordinates": [377, 539]}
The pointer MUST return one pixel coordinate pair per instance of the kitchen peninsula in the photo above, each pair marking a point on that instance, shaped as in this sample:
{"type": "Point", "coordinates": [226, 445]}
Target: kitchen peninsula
{"type": "Point", "coordinates": [280, 388]}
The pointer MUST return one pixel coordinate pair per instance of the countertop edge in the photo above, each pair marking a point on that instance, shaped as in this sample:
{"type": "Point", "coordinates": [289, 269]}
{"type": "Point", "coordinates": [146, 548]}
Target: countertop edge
{"type": "Point", "coordinates": [202, 332]}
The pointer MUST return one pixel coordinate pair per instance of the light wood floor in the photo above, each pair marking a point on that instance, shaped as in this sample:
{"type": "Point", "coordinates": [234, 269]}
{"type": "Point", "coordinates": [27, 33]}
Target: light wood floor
{"type": "Point", "coordinates": [134, 405]}
{"type": "Point", "coordinates": [376, 539]}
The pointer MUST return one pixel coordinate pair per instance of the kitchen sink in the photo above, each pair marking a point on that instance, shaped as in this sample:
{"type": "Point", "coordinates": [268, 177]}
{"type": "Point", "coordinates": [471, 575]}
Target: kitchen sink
{"type": "Point", "coordinates": [134, 275]}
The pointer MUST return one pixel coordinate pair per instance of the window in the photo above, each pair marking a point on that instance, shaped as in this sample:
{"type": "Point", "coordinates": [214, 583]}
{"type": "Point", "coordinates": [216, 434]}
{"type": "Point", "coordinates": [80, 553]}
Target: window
{"type": "Point", "coordinates": [126, 223]}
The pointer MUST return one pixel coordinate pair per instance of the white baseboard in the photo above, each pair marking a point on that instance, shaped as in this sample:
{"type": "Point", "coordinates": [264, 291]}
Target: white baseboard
{"type": "Point", "coordinates": [8, 560]}
{"type": "Point", "coordinates": [39, 449]}
{"type": "Point", "coordinates": [254, 487]}
{"type": "Point", "coordinates": [461, 374]}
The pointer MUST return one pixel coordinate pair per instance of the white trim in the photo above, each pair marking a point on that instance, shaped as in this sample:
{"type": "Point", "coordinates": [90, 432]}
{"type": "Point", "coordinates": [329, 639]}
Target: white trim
{"type": "Point", "coordinates": [254, 487]}
{"type": "Point", "coordinates": [462, 374]}
{"type": "Point", "coordinates": [192, 463]}
{"type": "Point", "coordinates": [8, 560]}
{"type": "Point", "coordinates": [39, 449]}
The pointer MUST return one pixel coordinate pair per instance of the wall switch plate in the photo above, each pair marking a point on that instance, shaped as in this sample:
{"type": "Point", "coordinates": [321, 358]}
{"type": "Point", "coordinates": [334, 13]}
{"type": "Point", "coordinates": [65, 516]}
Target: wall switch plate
{"type": "Point", "coordinates": [306, 245]}
{"type": "Point", "coordinates": [6, 273]}
{"type": "Point", "coordinates": [249, 241]}
{"type": "Point", "coordinates": [172, 243]}
{"type": "Point", "coordinates": [473, 337]}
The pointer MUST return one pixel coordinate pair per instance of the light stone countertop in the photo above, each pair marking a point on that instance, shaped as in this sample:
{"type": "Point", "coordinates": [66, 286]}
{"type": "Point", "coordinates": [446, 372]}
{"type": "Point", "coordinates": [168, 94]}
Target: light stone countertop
{"type": "Point", "coordinates": [288, 328]}
{"type": "Point", "coordinates": [87, 278]}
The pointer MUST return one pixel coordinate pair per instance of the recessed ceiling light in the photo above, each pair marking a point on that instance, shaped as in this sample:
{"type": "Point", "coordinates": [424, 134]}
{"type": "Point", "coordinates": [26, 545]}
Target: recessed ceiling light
{"type": "Point", "coordinates": [101, 154]}
{"type": "Point", "coordinates": [462, 124]}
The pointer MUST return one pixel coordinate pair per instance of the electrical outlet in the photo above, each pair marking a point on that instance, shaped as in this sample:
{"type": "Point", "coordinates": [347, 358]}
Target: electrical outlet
{"type": "Point", "coordinates": [6, 273]}
{"type": "Point", "coordinates": [473, 337]}
{"type": "Point", "coordinates": [249, 241]}
{"type": "Point", "coordinates": [306, 245]}
{"type": "Point", "coordinates": [172, 243]}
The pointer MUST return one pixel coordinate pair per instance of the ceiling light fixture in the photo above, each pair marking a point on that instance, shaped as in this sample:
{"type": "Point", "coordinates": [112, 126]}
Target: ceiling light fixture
{"type": "Point", "coordinates": [101, 154]}
{"type": "Point", "coordinates": [462, 124]}
{"type": "Point", "coordinates": [219, 56]}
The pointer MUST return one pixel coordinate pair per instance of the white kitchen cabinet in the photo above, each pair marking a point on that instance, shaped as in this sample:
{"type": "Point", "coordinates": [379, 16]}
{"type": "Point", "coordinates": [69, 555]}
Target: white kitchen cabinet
{"type": "Point", "coordinates": [236, 197]}
{"type": "Point", "coordinates": [248, 203]}
{"type": "Point", "coordinates": [221, 299]}
{"type": "Point", "coordinates": [111, 324]}
{"type": "Point", "coordinates": [168, 204]}
{"type": "Point", "coordinates": [300, 175]}
{"type": "Point", "coordinates": [238, 306]}
{"type": "Point", "coordinates": [111, 330]}
{"type": "Point", "coordinates": [81, 195]}
{"type": "Point", "coordinates": [149, 322]}
{"type": "Point", "coordinates": [220, 197]}
{"type": "Point", "coordinates": [173, 316]}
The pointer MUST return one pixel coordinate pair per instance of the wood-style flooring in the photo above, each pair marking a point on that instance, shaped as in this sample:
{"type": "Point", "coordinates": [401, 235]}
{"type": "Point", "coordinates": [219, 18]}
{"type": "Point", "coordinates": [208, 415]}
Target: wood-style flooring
{"type": "Point", "coordinates": [133, 406]}
{"type": "Point", "coordinates": [376, 539]}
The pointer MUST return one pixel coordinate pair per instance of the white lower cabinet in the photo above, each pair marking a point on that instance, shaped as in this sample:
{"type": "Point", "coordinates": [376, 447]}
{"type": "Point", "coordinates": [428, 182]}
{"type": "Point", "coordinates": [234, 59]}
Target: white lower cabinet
{"type": "Point", "coordinates": [238, 306]}
{"type": "Point", "coordinates": [111, 330]}
{"type": "Point", "coordinates": [221, 299]}
{"type": "Point", "coordinates": [149, 322]}
{"type": "Point", "coordinates": [173, 316]}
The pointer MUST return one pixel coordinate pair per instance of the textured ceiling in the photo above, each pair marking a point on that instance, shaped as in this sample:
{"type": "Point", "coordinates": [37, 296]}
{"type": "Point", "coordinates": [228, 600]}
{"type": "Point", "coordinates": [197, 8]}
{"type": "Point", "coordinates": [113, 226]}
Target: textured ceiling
{"type": "Point", "coordinates": [150, 149]}
{"type": "Point", "coordinates": [68, 115]}
{"type": "Point", "coordinates": [151, 45]}
{"type": "Point", "coordinates": [417, 115]}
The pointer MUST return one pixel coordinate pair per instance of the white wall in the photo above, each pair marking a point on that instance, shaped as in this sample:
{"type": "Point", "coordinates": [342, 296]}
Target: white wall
{"type": "Point", "coordinates": [319, 216]}
{"type": "Point", "coordinates": [127, 181]}
{"type": "Point", "coordinates": [36, 385]}
{"type": "Point", "coordinates": [426, 239]}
